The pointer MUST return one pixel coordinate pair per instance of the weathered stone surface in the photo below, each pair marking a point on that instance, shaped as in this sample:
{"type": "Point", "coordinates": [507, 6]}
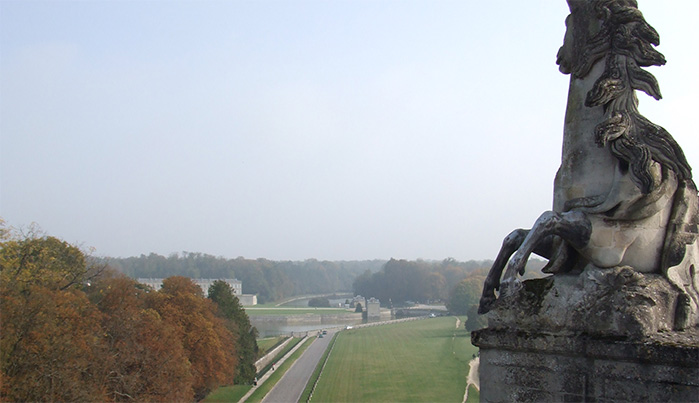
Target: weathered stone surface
{"type": "Point", "coordinates": [618, 319]}
{"type": "Point", "coordinates": [615, 302]}
{"type": "Point", "coordinates": [624, 193]}
{"type": "Point", "coordinates": [538, 366]}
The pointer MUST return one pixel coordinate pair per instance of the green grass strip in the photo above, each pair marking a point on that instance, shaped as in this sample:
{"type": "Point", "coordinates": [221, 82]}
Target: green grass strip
{"type": "Point", "coordinates": [296, 311]}
{"type": "Point", "coordinates": [264, 388]}
{"type": "Point", "coordinates": [227, 394]}
{"type": "Point", "coordinates": [306, 395]}
{"type": "Point", "coordinates": [279, 355]}
{"type": "Point", "coordinates": [474, 396]}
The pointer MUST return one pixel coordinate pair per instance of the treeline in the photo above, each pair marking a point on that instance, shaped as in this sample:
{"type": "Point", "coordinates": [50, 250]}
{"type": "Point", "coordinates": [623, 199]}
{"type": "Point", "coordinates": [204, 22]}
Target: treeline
{"type": "Point", "coordinates": [73, 331]}
{"type": "Point", "coordinates": [418, 281]}
{"type": "Point", "coordinates": [270, 280]}
{"type": "Point", "coordinates": [457, 284]}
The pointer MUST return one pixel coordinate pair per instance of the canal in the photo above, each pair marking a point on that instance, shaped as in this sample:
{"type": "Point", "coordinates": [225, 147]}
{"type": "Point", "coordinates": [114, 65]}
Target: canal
{"type": "Point", "coordinates": [285, 324]}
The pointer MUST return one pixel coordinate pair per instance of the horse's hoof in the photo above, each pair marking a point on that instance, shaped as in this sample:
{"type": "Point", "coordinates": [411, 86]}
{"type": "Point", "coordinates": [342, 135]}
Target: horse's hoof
{"type": "Point", "coordinates": [485, 304]}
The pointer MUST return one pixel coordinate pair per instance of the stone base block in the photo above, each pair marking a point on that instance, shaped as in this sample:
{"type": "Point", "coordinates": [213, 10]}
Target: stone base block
{"type": "Point", "coordinates": [616, 302]}
{"type": "Point", "coordinates": [526, 366]}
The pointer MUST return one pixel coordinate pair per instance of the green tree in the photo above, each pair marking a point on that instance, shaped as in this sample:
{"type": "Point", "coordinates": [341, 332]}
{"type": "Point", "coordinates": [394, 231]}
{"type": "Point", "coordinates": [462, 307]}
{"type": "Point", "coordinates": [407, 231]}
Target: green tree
{"type": "Point", "coordinates": [474, 321]}
{"type": "Point", "coordinates": [464, 295]}
{"type": "Point", "coordinates": [319, 302]}
{"type": "Point", "coordinates": [239, 323]}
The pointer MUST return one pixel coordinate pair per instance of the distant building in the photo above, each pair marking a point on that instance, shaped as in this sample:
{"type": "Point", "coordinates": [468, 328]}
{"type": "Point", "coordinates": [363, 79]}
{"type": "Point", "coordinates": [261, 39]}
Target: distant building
{"type": "Point", "coordinates": [372, 308]}
{"type": "Point", "coordinates": [358, 299]}
{"type": "Point", "coordinates": [205, 283]}
{"type": "Point", "coordinates": [247, 299]}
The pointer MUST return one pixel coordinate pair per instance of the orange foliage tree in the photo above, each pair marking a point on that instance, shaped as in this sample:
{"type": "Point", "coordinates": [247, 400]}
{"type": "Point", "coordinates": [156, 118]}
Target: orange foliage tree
{"type": "Point", "coordinates": [208, 344]}
{"type": "Point", "coordinates": [74, 332]}
{"type": "Point", "coordinates": [145, 359]}
{"type": "Point", "coordinates": [51, 338]}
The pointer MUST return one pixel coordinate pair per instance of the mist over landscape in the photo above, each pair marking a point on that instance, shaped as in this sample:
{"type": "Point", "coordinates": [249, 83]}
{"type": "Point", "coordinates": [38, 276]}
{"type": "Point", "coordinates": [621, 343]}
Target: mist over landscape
{"type": "Point", "coordinates": [290, 131]}
{"type": "Point", "coordinates": [221, 201]}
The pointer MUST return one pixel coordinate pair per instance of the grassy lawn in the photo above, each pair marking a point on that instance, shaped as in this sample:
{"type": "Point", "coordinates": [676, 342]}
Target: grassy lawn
{"type": "Point", "coordinates": [227, 394]}
{"type": "Point", "coordinates": [474, 396]}
{"type": "Point", "coordinates": [421, 361]}
{"type": "Point", "coordinates": [267, 305]}
{"type": "Point", "coordinates": [295, 311]}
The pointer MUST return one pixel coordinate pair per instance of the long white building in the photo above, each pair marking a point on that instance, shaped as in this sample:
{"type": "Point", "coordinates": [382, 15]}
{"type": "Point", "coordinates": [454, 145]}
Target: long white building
{"type": "Point", "coordinates": [205, 283]}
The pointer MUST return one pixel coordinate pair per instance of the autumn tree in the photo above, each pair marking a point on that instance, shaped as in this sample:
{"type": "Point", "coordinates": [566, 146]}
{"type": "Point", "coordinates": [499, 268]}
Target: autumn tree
{"type": "Point", "coordinates": [51, 339]}
{"type": "Point", "coordinates": [208, 343]}
{"type": "Point", "coordinates": [45, 261]}
{"type": "Point", "coordinates": [239, 324]}
{"type": "Point", "coordinates": [72, 331]}
{"type": "Point", "coordinates": [146, 360]}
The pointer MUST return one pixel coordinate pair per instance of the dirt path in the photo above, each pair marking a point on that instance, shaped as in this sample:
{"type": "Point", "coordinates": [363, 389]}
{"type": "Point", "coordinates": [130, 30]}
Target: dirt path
{"type": "Point", "coordinates": [472, 378]}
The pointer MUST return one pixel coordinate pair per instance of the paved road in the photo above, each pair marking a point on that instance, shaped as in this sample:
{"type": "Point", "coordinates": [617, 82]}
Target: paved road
{"type": "Point", "coordinates": [292, 384]}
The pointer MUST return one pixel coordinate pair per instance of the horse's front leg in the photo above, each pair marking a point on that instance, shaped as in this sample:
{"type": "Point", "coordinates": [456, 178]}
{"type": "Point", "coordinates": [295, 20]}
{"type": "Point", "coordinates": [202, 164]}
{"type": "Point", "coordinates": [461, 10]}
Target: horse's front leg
{"type": "Point", "coordinates": [573, 227]}
{"type": "Point", "coordinates": [509, 245]}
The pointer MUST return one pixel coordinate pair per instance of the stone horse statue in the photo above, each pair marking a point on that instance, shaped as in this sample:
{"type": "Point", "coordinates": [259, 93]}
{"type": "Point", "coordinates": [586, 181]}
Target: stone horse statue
{"type": "Point", "coordinates": [624, 194]}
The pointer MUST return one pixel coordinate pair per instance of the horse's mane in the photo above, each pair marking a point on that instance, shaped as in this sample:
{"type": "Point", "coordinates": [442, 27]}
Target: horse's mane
{"type": "Point", "coordinates": [627, 42]}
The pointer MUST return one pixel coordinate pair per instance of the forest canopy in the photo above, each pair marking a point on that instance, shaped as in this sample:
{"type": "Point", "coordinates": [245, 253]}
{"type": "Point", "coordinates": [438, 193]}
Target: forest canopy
{"type": "Point", "coordinates": [395, 280]}
{"type": "Point", "coordinates": [270, 280]}
{"type": "Point", "coordinates": [73, 330]}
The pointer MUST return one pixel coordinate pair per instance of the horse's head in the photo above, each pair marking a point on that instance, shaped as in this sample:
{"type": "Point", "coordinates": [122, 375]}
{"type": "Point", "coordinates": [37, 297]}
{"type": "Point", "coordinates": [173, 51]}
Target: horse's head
{"type": "Point", "coordinates": [584, 27]}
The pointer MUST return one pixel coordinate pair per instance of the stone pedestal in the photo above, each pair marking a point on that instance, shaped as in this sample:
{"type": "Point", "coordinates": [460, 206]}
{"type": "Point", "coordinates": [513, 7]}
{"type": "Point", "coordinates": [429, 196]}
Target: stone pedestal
{"type": "Point", "coordinates": [541, 367]}
{"type": "Point", "coordinates": [602, 335]}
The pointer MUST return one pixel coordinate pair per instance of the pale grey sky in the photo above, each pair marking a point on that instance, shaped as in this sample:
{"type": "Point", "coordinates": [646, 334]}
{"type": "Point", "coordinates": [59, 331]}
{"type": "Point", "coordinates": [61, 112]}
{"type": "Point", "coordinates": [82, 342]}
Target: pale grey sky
{"type": "Point", "coordinates": [298, 129]}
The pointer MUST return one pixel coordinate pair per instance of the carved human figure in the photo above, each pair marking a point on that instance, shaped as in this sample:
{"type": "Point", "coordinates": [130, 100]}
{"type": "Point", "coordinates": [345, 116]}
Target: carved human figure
{"type": "Point", "coordinates": [624, 194]}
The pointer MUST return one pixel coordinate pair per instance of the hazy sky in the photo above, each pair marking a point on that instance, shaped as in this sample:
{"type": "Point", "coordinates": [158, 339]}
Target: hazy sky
{"type": "Point", "coordinates": [298, 129]}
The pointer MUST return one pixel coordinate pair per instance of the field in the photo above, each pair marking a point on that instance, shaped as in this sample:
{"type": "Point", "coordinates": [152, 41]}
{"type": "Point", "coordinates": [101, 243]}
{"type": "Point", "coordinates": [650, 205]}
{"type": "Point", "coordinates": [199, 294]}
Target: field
{"type": "Point", "coordinates": [420, 361]}
{"type": "Point", "coordinates": [227, 394]}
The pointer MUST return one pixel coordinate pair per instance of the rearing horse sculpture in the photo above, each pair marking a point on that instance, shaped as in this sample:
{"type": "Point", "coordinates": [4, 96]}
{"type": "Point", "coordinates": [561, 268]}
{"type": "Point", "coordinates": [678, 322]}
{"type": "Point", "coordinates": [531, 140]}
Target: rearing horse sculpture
{"type": "Point", "coordinates": [623, 195]}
